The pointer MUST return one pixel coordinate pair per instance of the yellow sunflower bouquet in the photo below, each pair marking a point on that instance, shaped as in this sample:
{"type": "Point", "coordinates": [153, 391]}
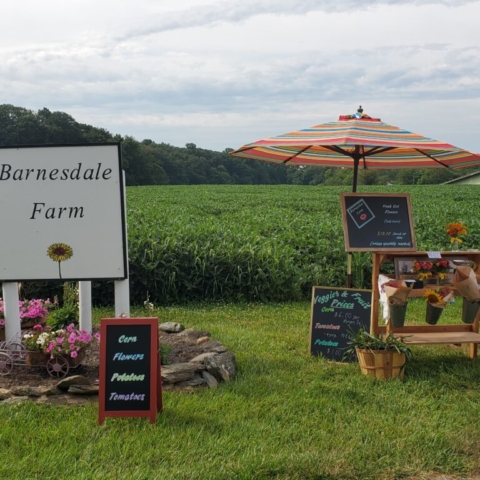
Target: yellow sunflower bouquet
{"type": "Point", "coordinates": [437, 300]}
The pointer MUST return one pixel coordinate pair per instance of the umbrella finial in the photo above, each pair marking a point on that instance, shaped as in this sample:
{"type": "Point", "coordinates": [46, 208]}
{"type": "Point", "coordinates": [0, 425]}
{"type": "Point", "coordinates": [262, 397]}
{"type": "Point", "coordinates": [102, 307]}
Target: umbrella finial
{"type": "Point", "coordinates": [359, 113]}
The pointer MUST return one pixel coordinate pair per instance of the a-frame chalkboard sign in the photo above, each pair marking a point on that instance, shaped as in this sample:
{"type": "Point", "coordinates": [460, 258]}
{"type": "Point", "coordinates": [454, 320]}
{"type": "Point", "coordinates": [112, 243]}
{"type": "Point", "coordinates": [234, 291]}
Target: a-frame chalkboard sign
{"type": "Point", "coordinates": [336, 312]}
{"type": "Point", "coordinates": [130, 382]}
{"type": "Point", "coordinates": [377, 222]}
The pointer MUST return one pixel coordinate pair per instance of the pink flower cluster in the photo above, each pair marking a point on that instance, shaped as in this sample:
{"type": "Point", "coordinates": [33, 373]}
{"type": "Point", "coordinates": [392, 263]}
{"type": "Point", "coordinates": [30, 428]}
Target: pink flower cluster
{"type": "Point", "coordinates": [28, 309]}
{"type": "Point", "coordinates": [68, 341]}
{"type": "Point", "coordinates": [36, 308]}
{"type": "Point", "coordinates": [420, 266]}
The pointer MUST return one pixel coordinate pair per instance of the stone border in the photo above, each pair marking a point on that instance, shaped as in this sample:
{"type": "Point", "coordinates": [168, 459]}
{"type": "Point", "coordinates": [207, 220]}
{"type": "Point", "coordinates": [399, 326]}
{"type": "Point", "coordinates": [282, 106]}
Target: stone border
{"type": "Point", "coordinates": [215, 364]}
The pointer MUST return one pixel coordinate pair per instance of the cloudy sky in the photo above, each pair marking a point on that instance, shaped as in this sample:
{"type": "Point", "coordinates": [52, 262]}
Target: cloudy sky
{"type": "Point", "coordinates": [222, 73]}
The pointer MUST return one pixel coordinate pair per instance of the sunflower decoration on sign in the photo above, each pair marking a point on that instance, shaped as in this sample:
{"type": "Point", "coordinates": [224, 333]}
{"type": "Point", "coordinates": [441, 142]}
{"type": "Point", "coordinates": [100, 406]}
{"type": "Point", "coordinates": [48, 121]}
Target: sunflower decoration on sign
{"type": "Point", "coordinates": [60, 252]}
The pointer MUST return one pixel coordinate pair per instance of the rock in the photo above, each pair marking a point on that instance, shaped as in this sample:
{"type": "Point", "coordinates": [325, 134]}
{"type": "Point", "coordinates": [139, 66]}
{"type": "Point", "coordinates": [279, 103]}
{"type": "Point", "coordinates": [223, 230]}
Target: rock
{"type": "Point", "coordinates": [66, 382]}
{"type": "Point", "coordinates": [200, 358]}
{"type": "Point", "coordinates": [180, 372]}
{"type": "Point", "coordinates": [221, 366]}
{"type": "Point", "coordinates": [202, 340]}
{"type": "Point", "coordinates": [190, 334]}
{"type": "Point", "coordinates": [210, 344]}
{"type": "Point", "coordinates": [196, 381]}
{"type": "Point", "coordinates": [35, 391]}
{"type": "Point", "coordinates": [15, 399]}
{"type": "Point", "coordinates": [219, 349]}
{"type": "Point", "coordinates": [171, 327]}
{"type": "Point", "coordinates": [210, 379]}
{"type": "Point", "coordinates": [5, 393]}
{"type": "Point", "coordinates": [83, 389]}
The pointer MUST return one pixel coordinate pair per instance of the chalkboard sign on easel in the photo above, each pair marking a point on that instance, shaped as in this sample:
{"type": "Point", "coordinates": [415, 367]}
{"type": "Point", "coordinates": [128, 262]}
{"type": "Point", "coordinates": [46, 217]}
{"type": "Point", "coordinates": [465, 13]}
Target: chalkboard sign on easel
{"type": "Point", "coordinates": [376, 222]}
{"type": "Point", "coordinates": [130, 382]}
{"type": "Point", "coordinates": [335, 312]}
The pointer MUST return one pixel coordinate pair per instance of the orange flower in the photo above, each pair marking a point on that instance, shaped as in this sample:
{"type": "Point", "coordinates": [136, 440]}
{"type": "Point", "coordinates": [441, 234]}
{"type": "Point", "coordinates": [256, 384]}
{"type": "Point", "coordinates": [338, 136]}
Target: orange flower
{"type": "Point", "coordinates": [456, 229]}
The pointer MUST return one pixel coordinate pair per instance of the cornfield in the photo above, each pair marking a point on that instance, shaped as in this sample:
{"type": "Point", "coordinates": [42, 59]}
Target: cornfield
{"type": "Point", "coordinates": [261, 243]}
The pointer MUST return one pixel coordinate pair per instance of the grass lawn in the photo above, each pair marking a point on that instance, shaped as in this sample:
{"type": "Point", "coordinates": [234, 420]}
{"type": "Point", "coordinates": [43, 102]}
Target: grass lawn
{"type": "Point", "coordinates": [287, 415]}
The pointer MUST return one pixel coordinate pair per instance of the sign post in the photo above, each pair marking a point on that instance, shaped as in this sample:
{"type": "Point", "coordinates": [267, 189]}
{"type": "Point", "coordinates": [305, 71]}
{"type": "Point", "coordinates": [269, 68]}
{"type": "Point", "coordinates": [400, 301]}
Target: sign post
{"type": "Point", "coordinates": [130, 381]}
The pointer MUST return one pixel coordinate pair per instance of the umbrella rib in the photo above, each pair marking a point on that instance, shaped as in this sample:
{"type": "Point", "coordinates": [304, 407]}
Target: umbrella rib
{"type": "Point", "coordinates": [335, 148]}
{"type": "Point", "coordinates": [296, 154]}
{"type": "Point", "coordinates": [377, 150]}
{"type": "Point", "coordinates": [432, 158]}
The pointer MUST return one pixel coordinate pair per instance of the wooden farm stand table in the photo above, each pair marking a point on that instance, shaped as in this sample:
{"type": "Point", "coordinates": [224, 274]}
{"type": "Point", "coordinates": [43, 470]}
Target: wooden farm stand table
{"type": "Point", "coordinates": [425, 334]}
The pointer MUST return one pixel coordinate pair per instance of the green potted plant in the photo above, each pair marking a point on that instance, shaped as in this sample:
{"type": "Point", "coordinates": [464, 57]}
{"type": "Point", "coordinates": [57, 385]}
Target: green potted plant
{"type": "Point", "coordinates": [380, 357]}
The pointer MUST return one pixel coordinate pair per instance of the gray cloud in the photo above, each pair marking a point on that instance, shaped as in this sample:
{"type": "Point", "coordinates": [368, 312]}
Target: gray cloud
{"type": "Point", "coordinates": [220, 92]}
{"type": "Point", "coordinates": [234, 12]}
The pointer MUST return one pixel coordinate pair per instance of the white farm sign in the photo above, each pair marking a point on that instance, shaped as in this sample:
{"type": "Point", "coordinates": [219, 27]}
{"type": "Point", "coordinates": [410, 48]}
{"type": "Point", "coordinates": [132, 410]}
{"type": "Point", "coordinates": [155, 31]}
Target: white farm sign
{"type": "Point", "coordinates": [62, 213]}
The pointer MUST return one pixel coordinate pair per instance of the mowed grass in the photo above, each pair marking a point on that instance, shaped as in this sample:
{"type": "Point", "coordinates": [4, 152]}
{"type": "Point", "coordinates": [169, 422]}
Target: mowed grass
{"type": "Point", "coordinates": [287, 414]}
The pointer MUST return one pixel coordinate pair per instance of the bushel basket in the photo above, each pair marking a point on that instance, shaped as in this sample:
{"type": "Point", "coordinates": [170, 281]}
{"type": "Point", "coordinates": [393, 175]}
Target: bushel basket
{"type": "Point", "coordinates": [381, 364]}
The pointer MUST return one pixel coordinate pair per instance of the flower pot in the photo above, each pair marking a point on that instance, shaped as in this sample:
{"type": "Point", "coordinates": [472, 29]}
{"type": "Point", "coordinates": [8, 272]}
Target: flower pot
{"type": "Point", "coordinates": [75, 362]}
{"type": "Point", "coordinates": [35, 358]}
{"type": "Point", "coordinates": [469, 311]}
{"type": "Point", "coordinates": [397, 314]}
{"type": "Point", "coordinates": [31, 322]}
{"type": "Point", "coordinates": [381, 364]}
{"type": "Point", "coordinates": [433, 314]}
{"type": "Point", "coordinates": [2, 334]}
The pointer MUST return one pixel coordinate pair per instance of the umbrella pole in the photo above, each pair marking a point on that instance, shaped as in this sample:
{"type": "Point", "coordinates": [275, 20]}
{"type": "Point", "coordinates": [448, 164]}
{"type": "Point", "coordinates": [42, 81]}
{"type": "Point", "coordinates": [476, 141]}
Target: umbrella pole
{"type": "Point", "coordinates": [356, 161]}
{"type": "Point", "coordinates": [349, 270]}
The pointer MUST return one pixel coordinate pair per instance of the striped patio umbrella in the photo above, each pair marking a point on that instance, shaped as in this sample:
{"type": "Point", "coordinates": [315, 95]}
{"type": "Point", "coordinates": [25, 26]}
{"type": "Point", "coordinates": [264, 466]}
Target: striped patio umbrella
{"type": "Point", "coordinates": [358, 141]}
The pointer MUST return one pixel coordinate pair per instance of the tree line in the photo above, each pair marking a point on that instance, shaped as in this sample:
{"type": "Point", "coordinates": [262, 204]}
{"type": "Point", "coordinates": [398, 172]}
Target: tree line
{"type": "Point", "coordinates": [149, 163]}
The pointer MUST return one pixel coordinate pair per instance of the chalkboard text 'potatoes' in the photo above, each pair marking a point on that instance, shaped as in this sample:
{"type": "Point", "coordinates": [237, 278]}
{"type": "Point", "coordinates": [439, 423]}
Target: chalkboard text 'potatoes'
{"type": "Point", "coordinates": [326, 343]}
{"type": "Point", "coordinates": [124, 377]}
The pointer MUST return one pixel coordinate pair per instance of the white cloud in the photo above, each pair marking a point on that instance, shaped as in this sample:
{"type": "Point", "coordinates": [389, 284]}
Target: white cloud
{"type": "Point", "coordinates": [225, 73]}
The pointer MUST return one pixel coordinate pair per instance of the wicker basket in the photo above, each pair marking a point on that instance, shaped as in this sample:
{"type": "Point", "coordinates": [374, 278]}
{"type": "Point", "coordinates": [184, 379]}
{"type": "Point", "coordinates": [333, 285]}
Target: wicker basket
{"type": "Point", "coordinates": [381, 364]}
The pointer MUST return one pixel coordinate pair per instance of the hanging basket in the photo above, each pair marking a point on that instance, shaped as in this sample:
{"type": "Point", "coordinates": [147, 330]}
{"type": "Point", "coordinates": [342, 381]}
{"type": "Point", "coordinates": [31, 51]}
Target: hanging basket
{"type": "Point", "coordinates": [381, 364]}
{"type": "Point", "coordinates": [433, 314]}
{"type": "Point", "coordinates": [397, 314]}
{"type": "Point", "coordinates": [469, 311]}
